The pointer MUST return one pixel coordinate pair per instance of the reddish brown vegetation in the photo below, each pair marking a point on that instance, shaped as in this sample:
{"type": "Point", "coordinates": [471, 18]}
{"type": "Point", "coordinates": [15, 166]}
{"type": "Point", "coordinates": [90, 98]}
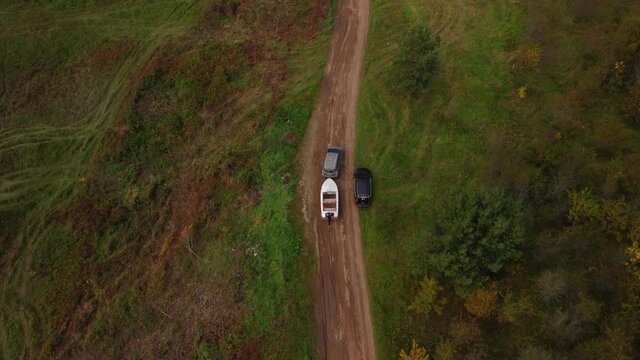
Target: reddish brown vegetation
{"type": "Point", "coordinates": [161, 226]}
{"type": "Point", "coordinates": [186, 208]}
{"type": "Point", "coordinates": [107, 56]}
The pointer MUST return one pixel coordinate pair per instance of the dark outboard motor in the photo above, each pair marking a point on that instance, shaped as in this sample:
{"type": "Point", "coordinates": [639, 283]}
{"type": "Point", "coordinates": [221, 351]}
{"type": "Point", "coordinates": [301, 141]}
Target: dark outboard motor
{"type": "Point", "coordinates": [329, 216]}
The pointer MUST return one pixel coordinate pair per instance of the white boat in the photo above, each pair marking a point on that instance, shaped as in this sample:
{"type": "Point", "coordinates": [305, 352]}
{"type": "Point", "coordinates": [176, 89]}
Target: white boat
{"type": "Point", "coordinates": [329, 199]}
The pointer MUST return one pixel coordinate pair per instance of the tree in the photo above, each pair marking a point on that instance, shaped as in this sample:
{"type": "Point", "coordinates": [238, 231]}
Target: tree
{"type": "Point", "coordinates": [446, 350]}
{"type": "Point", "coordinates": [475, 233]}
{"type": "Point", "coordinates": [417, 62]}
{"type": "Point", "coordinates": [614, 217]}
{"type": "Point", "coordinates": [551, 285]}
{"type": "Point", "coordinates": [465, 332]}
{"type": "Point", "coordinates": [427, 299]}
{"type": "Point", "coordinates": [416, 352]}
{"type": "Point", "coordinates": [482, 303]}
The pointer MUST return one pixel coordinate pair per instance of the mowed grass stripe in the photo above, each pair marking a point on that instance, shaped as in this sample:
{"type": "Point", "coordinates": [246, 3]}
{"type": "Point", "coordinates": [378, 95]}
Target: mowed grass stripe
{"type": "Point", "coordinates": [82, 141]}
{"type": "Point", "coordinates": [42, 184]}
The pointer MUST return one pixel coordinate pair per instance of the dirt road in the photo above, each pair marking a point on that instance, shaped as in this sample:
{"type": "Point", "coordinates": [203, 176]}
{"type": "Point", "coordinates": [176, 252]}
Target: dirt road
{"type": "Point", "coordinates": [343, 317]}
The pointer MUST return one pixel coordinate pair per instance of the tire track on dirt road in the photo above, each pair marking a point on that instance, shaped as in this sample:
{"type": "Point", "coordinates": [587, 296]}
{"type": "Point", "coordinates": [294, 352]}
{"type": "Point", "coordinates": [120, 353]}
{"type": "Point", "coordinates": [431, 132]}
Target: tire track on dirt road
{"type": "Point", "coordinates": [342, 311]}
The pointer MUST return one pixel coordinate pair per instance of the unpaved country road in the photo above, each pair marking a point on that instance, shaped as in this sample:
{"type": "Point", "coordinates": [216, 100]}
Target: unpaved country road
{"type": "Point", "coordinates": [342, 312]}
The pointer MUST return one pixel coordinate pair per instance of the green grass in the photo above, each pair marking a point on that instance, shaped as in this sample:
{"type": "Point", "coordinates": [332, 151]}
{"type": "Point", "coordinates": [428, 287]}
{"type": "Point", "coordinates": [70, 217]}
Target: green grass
{"type": "Point", "coordinates": [280, 298]}
{"type": "Point", "coordinates": [419, 149]}
{"type": "Point", "coordinates": [471, 130]}
{"type": "Point", "coordinates": [141, 153]}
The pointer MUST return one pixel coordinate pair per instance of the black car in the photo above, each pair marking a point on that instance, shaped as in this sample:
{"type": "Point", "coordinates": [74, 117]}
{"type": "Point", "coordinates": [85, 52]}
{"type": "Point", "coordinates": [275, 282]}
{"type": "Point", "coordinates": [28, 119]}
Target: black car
{"type": "Point", "coordinates": [362, 187]}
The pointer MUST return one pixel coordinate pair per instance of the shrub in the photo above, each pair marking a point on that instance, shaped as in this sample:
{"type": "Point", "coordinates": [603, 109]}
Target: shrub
{"type": "Point", "coordinates": [417, 62]}
{"type": "Point", "coordinates": [466, 332]}
{"type": "Point", "coordinates": [516, 308]}
{"type": "Point", "coordinates": [535, 353]}
{"type": "Point", "coordinates": [525, 57]}
{"type": "Point", "coordinates": [131, 197]}
{"type": "Point", "coordinates": [482, 303]}
{"type": "Point", "coordinates": [588, 309]}
{"type": "Point", "coordinates": [626, 45]}
{"type": "Point", "coordinates": [619, 343]}
{"type": "Point", "coordinates": [551, 285]}
{"type": "Point", "coordinates": [477, 353]}
{"type": "Point", "coordinates": [631, 104]}
{"type": "Point", "coordinates": [446, 350]}
{"type": "Point", "coordinates": [626, 40]}
{"type": "Point", "coordinates": [427, 299]}
{"type": "Point", "coordinates": [634, 234]}
{"type": "Point", "coordinates": [476, 232]}
{"type": "Point", "coordinates": [617, 76]}
{"type": "Point", "coordinates": [583, 206]}
{"type": "Point", "coordinates": [633, 262]}
{"type": "Point", "coordinates": [613, 217]}
{"type": "Point", "coordinates": [616, 218]}
{"type": "Point", "coordinates": [416, 352]}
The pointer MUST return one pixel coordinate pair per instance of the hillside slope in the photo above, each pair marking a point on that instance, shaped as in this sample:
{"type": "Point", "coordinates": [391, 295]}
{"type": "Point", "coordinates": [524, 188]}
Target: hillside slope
{"type": "Point", "coordinates": [147, 177]}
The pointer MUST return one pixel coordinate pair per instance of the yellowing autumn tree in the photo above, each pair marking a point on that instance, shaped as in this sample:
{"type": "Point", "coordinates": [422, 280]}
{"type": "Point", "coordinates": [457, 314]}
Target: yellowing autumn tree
{"type": "Point", "coordinates": [482, 303]}
{"type": "Point", "coordinates": [416, 352]}
{"type": "Point", "coordinates": [428, 299]}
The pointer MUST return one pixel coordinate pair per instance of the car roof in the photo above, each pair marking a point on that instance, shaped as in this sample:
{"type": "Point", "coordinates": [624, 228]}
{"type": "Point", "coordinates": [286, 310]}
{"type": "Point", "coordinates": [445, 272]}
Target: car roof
{"type": "Point", "coordinates": [362, 178]}
{"type": "Point", "coordinates": [331, 160]}
{"type": "Point", "coordinates": [363, 186]}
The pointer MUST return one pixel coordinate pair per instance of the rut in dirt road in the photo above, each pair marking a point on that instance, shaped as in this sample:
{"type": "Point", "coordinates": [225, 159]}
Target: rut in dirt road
{"type": "Point", "coordinates": [342, 311]}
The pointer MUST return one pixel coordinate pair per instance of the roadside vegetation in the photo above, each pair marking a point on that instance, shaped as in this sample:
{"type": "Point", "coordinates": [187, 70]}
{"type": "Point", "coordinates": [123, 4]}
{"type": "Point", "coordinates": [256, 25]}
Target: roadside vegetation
{"type": "Point", "coordinates": [507, 213]}
{"type": "Point", "coordinates": [147, 177]}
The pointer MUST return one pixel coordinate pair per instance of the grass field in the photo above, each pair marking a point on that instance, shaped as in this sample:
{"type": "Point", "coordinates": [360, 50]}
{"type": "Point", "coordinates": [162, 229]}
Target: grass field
{"type": "Point", "coordinates": [533, 127]}
{"type": "Point", "coordinates": [143, 147]}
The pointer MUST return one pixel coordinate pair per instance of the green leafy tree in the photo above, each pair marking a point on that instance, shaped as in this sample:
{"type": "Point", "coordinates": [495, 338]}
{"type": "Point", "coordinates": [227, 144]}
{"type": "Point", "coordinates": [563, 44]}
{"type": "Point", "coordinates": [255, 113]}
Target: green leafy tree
{"type": "Point", "coordinates": [584, 206]}
{"type": "Point", "coordinates": [476, 232]}
{"type": "Point", "coordinates": [417, 62]}
{"type": "Point", "coordinates": [427, 299]}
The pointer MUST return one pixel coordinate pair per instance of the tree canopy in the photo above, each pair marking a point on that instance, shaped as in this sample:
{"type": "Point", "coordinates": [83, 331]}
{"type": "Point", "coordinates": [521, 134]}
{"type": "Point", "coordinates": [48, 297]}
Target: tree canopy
{"type": "Point", "coordinates": [475, 234]}
{"type": "Point", "coordinates": [417, 61]}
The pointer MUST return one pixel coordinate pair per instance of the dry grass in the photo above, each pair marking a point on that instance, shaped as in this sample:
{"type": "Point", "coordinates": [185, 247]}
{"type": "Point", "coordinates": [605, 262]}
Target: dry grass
{"type": "Point", "coordinates": [125, 210]}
